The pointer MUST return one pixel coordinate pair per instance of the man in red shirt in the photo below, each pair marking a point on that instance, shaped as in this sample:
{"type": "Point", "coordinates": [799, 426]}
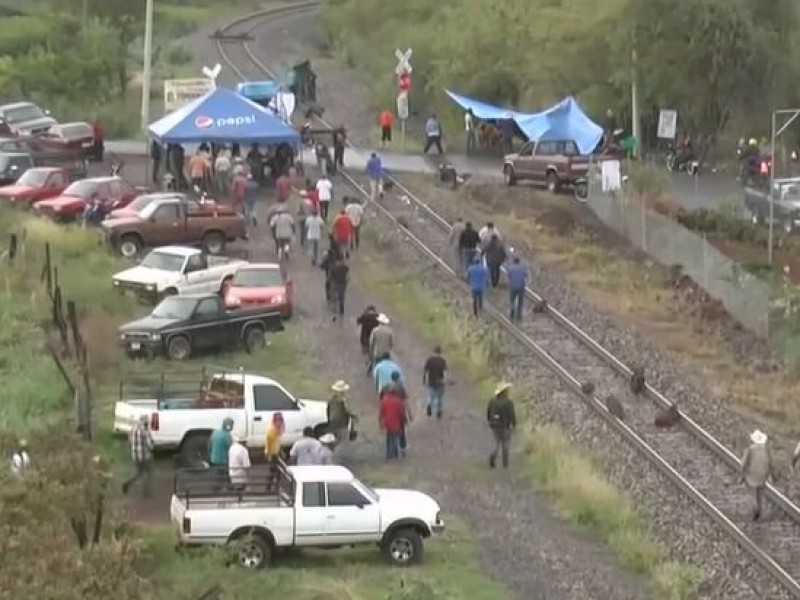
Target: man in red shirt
{"type": "Point", "coordinates": [313, 195]}
{"type": "Point", "coordinates": [342, 230]}
{"type": "Point", "coordinates": [386, 120]}
{"type": "Point", "coordinates": [283, 188]}
{"type": "Point", "coordinates": [391, 418]}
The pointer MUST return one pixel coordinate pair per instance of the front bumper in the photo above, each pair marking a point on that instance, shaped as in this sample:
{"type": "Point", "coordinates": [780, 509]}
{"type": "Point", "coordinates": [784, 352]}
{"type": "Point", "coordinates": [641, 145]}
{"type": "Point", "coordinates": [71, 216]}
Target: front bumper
{"type": "Point", "coordinates": [136, 347]}
{"type": "Point", "coordinates": [144, 293]}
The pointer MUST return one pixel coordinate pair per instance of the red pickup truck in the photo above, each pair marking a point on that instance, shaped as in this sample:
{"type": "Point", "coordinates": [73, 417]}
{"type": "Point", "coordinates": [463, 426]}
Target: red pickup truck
{"type": "Point", "coordinates": [556, 164]}
{"type": "Point", "coordinates": [39, 183]}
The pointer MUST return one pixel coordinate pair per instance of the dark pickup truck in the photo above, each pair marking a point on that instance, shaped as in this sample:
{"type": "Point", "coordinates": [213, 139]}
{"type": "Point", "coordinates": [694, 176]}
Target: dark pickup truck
{"type": "Point", "coordinates": [182, 325]}
{"type": "Point", "coordinates": [556, 164]}
{"type": "Point", "coordinates": [786, 209]}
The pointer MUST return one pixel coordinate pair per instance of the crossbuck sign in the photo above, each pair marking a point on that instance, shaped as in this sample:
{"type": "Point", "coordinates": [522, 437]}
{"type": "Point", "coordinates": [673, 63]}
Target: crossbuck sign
{"type": "Point", "coordinates": [403, 61]}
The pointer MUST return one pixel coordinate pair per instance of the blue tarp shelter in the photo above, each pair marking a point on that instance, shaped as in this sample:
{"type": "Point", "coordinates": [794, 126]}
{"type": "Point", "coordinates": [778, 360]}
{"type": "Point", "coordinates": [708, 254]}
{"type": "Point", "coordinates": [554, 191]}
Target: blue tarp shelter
{"type": "Point", "coordinates": [564, 121]}
{"type": "Point", "coordinates": [222, 116]}
{"type": "Point", "coordinates": [258, 90]}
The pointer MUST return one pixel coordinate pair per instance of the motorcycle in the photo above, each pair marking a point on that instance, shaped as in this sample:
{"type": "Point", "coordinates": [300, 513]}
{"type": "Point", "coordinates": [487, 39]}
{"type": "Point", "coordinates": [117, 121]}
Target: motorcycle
{"type": "Point", "coordinates": [682, 162]}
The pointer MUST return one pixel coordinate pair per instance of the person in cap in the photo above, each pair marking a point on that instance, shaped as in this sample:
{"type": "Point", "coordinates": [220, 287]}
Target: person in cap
{"type": "Point", "coordinates": [502, 420]}
{"type": "Point", "coordinates": [381, 341]}
{"type": "Point", "coordinates": [383, 371]}
{"type": "Point", "coordinates": [20, 459]}
{"type": "Point", "coordinates": [238, 461]}
{"type": "Point", "coordinates": [304, 449]}
{"type": "Point", "coordinates": [141, 442]}
{"type": "Point", "coordinates": [367, 321]}
{"type": "Point", "coordinates": [434, 373]}
{"type": "Point", "coordinates": [338, 410]}
{"type": "Point", "coordinates": [757, 469]}
{"type": "Point", "coordinates": [323, 454]}
{"type": "Point", "coordinates": [219, 444]}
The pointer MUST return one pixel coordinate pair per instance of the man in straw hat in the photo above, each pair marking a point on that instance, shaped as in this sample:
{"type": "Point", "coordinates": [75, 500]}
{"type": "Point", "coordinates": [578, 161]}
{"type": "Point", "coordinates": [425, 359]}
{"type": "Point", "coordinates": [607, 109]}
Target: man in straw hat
{"type": "Point", "coordinates": [757, 469]}
{"type": "Point", "coordinates": [338, 412]}
{"type": "Point", "coordinates": [238, 461]}
{"type": "Point", "coordinates": [502, 421]}
{"type": "Point", "coordinates": [381, 341]}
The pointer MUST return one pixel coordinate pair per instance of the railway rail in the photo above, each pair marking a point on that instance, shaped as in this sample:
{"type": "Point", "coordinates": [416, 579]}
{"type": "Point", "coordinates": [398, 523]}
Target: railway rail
{"type": "Point", "coordinates": [689, 456]}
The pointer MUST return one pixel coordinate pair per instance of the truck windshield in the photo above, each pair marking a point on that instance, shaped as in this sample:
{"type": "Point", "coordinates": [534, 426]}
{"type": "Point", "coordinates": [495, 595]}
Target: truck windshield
{"type": "Point", "coordinates": [27, 112]}
{"type": "Point", "coordinates": [174, 307]}
{"type": "Point", "coordinates": [257, 278]}
{"type": "Point", "coordinates": [163, 261]}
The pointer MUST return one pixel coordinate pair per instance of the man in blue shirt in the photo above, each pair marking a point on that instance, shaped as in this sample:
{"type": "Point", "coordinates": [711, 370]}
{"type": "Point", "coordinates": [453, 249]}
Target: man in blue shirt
{"type": "Point", "coordinates": [433, 135]}
{"type": "Point", "coordinates": [477, 276]}
{"type": "Point", "coordinates": [375, 173]}
{"type": "Point", "coordinates": [517, 274]}
{"type": "Point", "coordinates": [382, 372]}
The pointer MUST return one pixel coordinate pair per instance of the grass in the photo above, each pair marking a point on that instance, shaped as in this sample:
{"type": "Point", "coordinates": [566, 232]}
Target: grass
{"type": "Point", "coordinates": [450, 571]}
{"type": "Point", "coordinates": [580, 493]}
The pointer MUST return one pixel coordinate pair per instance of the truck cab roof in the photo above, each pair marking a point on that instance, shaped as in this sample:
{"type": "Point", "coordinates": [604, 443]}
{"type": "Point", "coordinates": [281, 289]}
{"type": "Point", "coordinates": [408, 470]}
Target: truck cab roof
{"type": "Point", "coordinates": [179, 250]}
{"type": "Point", "coordinates": [326, 473]}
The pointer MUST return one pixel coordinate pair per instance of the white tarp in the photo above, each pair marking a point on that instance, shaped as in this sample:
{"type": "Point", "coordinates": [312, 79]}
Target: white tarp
{"type": "Point", "coordinates": [283, 105]}
{"type": "Point", "coordinates": [180, 92]}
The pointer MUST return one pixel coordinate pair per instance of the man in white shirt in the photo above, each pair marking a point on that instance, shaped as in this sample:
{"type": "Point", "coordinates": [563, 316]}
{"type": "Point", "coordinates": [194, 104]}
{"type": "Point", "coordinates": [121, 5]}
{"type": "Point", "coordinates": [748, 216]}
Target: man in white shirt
{"type": "Point", "coordinates": [325, 192]}
{"type": "Point", "coordinates": [238, 461]}
{"type": "Point", "coordinates": [314, 227]}
{"type": "Point", "coordinates": [323, 455]}
{"type": "Point", "coordinates": [486, 232]}
{"type": "Point", "coordinates": [355, 212]}
{"type": "Point", "coordinates": [304, 450]}
{"type": "Point", "coordinates": [469, 128]}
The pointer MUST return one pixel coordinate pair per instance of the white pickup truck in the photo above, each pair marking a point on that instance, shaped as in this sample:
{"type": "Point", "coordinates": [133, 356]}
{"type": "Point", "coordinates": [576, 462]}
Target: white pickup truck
{"type": "Point", "coordinates": [177, 270]}
{"type": "Point", "coordinates": [310, 507]}
{"type": "Point", "coordinates": [183, 412]}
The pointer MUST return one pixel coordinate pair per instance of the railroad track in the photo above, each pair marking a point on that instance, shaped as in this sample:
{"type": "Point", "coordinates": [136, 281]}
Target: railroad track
{"type": "Point", "coordinates": [691, 458]}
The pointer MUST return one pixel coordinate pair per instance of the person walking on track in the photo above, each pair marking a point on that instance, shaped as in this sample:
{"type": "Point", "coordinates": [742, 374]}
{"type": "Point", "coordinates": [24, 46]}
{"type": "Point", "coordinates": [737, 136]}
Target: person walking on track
{"type": "Point", "coordinates": [141, 442]}
{"type": "Point", "coordinates": [381, 341]}
{"type": "Point", "coordinates": [386, 120]}
{"type": "Point", "coordinates": [375, 174]}
{"type": "Point", "coordinates": [477, 276]}
{"type": "Point", "coordinates": [340, 274]}
{"type": "Point", "coordinates": [355, 211]}
{"type": "Point", "coordinates": [757, 469]}
{"type": "Point", "coordinates": [502, 421]}
{"type": "Point", "coordinates": [342, 230]}
{"type": "Point", "coordinates": [468, 242]}
{"type": "Point", "coordinates": [391, 417]}
{"type": "Point", "coordinates": [339, 137]}
{"type": "Point", "coordinates": [325, 194]}
{"type": "Point", "coordinates": [455, 235]}
{"type": "Point", "coordinates": [315, 225]}
{"type": "Point", "coordinates": [367, 321]}
{"type": "Point", "coordinates": [433, 378]}
{"type": "Point", "coordinates": [433, 135]}
{"type": "Point", "coordinates": [495, 255]}
{"type": "Point", "coordinates": [517, 274]}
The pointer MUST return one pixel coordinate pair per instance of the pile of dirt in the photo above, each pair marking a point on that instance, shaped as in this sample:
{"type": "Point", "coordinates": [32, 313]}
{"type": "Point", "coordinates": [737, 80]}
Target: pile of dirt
{"type": "Point", "coordinates": [559, 219]}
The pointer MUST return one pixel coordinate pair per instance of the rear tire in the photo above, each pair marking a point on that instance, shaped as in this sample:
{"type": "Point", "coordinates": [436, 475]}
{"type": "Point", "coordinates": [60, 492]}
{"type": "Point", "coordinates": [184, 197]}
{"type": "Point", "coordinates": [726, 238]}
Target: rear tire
{"type": "Point", "coordinates": [553, 185]}
{"type": "Point", "coordinates": [179, 348]}
{"type": "Point", "coordinates": [194, 450]}
{"type": "Point", "coordinates": [130, 245]}
{"type": "Point", "coordinates": [508, 176]}
{"type": "Point", "coordinates": [403, 547]}
{"type": "Point", "coordinates": [581, 192]}
{"type": "Point", "coordinates": [253, 551]}
{"type": "Point", "coordinates": [254, 339]}
{"type": "Point", "coordinates": [214, 242]}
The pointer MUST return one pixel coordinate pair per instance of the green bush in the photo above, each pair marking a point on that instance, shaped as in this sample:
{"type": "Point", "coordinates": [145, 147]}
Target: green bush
{"type": "Point", "coordinates": [19, 34]}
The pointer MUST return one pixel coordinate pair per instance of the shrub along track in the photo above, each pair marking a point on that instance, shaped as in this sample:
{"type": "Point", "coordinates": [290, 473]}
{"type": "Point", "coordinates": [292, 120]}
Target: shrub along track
{"type": "Point", "coordinates": [692, 459]}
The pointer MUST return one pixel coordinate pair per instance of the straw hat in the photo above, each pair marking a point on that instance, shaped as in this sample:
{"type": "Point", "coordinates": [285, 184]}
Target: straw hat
{"type": "Point", "coordinates": [383, 319]}
{"type": "Point", "coordinates": [239, 437]}
{"type": "Point", "coordinates": [502, 387]}
{"type": "Point", "coordinates": [327, 438]}
{"type": "Point", "coordinates": [758, 437]}
{"type": "Point", "coordinates": [340, 386]}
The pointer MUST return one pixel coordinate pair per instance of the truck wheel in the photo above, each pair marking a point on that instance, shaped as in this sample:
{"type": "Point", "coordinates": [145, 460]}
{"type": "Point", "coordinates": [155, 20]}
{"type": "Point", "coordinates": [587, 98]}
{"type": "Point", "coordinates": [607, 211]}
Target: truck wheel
{"type": "Point", "coordinates": [403, 547]}
{"type": "Point", "coordinates": [553, 184]}
{"type": "Point", "coordinates": [253, 551]}
{"type": "Point", "coordinates": [194, 450]}
{"type": "Point", "coordinates": [130, 245]}
{"type": "Point", "coordinates": [214, 242]}
{"type": "Point", "coordinates": [508, 176]}
{"type": "Point", "coordinates": [254, 339]}
{"type": "Point", "coordinates": [581, 191]}
{"type": "Point", "coordinates": [179, 348]}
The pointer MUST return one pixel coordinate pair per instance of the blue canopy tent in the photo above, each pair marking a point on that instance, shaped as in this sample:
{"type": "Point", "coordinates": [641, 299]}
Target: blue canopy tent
{"type": "Point", "coordinates": [564, 121]}
{"type": "Point", "coordinates": [222, 116]}
{"type": "Point", "coordinates": [482, 110]}
{"type": "Point", "coordinates": [260, 92]}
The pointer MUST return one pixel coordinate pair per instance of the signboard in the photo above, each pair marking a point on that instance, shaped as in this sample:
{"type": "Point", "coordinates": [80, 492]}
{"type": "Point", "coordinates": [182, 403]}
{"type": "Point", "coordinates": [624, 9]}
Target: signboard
{"type": "Point", "coordinates": [179, 92]}
{"type": "Point", "coordinates": [667, 124]}
{"type": "Point", "coordinates": [402, 106]}
{"type": "Point", "coordinates": [403, 61]}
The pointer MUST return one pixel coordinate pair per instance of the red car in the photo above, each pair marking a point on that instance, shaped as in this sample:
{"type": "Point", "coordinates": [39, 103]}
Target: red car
{"type": "Point", "coordinates": [39, 183]}
{"type": "Point", "coordinates": [260, 284]}
{"type": "Point", "coordinates": [112, 192]}
{"type": "Point", "coordinates": [77, 138]}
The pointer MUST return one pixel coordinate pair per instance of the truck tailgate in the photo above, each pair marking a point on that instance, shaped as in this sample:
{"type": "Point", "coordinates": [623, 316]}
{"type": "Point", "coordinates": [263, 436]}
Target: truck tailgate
{"type": "Point", "coordinates": [127, 413]}
{"type": "Point", "coordinates": [177, 510]}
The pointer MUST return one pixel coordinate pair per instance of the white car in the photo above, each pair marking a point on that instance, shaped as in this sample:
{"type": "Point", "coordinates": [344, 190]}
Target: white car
{"type": "Point", "coordinates": [184, 412]}
{"type": "Point", "coordinates": [312, 506]}
{"type": "Point", "coordinates": [177, 270]}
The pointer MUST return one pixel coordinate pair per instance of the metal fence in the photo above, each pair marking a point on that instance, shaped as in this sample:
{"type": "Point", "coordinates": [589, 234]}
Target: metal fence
{"type": "Point", "coordinates": [744, 296]}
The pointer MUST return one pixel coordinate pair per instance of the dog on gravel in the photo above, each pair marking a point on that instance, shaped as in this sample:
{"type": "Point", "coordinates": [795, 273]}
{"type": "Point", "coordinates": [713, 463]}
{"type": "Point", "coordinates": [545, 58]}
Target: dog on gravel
{"type": "Point", "coordinates": [667, 418]}
{"type": "Point", "coordinates": [615, 407]}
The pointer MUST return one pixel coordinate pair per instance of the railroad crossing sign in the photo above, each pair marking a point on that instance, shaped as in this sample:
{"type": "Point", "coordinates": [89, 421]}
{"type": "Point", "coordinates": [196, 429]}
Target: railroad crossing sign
{"type": "Point", "coordinates": [402, 106]}
{"type": "Point", "coordinates": [403, 61]}
{"type": "Point", "coordinates": [404, 82]}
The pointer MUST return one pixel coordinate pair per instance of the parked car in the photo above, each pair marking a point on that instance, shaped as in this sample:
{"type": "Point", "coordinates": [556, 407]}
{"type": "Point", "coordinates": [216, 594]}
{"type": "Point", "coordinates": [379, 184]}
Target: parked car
{"type": "Point", "coordinates": [111, 192]}
{"type": "Point", "coordinates": [13, 165]}
{"type": "Point", "coordinates": [785, 201]}
{"type": "Point", "coordinates": [173, 270]}
{"type": "Point", "coordinates": [26, 118]}
{"type": "Point", "coordinates": [261, 284]}
{"type": "Point", "coordinates": [556, 164]}
{"type": "Point", "coordinates": [76, 138]}
{"type": "Point", "coordinates": [182, 410]}
{"type": "Point", "coordinates": [311, 506]}
{"type": "Point", "coordinates": [183, 325]}
{"type": "Point", "coordinates": [163, 223]}
{"type": "Point", "coordinates": [38, 183]}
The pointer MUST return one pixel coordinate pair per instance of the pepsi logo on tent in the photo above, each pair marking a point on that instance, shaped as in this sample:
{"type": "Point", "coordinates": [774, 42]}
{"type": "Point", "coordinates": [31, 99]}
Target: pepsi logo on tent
{"type": "Point", "coordinates": [203, 122]}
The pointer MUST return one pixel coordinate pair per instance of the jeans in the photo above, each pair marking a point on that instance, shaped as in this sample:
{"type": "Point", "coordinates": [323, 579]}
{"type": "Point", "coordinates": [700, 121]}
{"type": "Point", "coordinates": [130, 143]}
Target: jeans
{"type": "Point", "coordinates": [250, 210]}
{"type": "Point", "coordinates": [435, 398]}
{"type": "Point", "coordinates": [375, 188]}
{"type": "Point", "coordinates": [477, 302]}
{"type": "Point", "coordinates": [355, 239]}
{"type": "Point", "coordinates": [501, 439]}
{"type": "Point", "coordinates": [465, 254]}
{"type": "Point", "coordinates": [494, 274]}
{"type": "Point", "coordinates": [433, 140]}
{"type": "Point", "coordinates": [516, 298]}
{"type": "Point", "coordinates": [402, 443]}
{"type": "Point", "coordinates": [313, 249]}
{"type": "Point", "coordinates": [323, 209]}
{"type": "Point", "coordinates": [337, 298]}
{"type": "Point", "coordinates": [758, 502]}
{"type": "Point", "coordinates": [144, 471]}
{"type": "Point", "coordinates": [392, 445]}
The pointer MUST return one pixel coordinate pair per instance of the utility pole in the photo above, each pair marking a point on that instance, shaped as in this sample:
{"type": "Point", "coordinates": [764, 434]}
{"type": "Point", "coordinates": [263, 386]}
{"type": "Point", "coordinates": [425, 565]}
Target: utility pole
{"type": "Point", "coordinates": [775, 132]}
{"type": "Point", "coordinates": [148, 55]}
{"type": "Point", "coordinates": [84, 14]}
{"type": "Point", "coordinates": [636, 125]}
